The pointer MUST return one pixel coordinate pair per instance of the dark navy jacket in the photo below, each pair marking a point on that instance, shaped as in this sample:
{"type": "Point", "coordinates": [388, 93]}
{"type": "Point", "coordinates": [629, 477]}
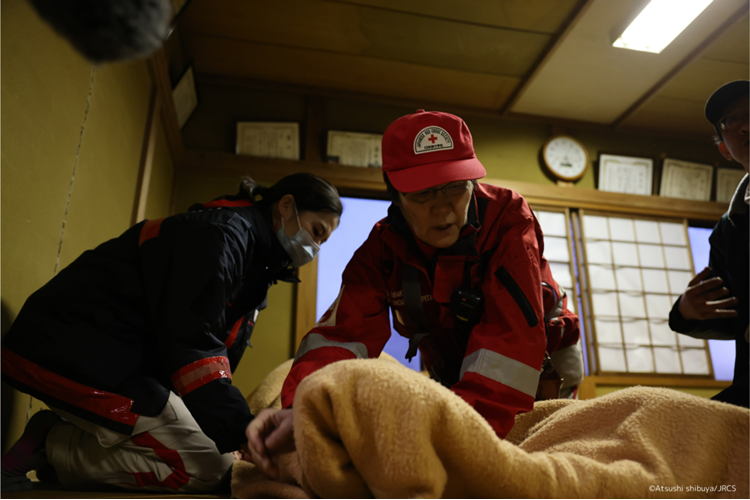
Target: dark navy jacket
{"type": "Point", "coordinates": [167, 306]}
{"type": "Point", "coordinates": [730, 253]}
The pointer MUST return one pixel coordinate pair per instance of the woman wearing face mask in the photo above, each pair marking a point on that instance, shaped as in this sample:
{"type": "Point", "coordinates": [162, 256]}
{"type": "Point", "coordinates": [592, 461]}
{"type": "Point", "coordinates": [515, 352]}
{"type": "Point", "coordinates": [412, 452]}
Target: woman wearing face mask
{"type": "Point", "coordinates": [134, 343]}
{"type": "Point", "coordinates": [460, 264]}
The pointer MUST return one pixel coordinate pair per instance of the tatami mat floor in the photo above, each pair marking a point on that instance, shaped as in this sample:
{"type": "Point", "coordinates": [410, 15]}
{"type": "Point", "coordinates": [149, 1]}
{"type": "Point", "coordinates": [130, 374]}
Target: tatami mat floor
{"type": "Point", "coordinates": [40, 490]}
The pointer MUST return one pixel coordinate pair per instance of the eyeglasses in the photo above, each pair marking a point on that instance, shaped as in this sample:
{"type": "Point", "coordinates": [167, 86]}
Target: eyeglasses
{"type": "Point", "coordinates": [450, 190]}
{"type": "Point", "coordinates": [733, 121]}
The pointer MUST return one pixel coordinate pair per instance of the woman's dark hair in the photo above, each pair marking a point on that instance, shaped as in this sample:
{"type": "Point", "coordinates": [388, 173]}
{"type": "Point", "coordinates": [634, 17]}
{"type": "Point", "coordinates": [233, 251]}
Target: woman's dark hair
{"type": "Point", "coordinates": [393, 192]}
{"type": "Point", "coordinates": [311, 193]}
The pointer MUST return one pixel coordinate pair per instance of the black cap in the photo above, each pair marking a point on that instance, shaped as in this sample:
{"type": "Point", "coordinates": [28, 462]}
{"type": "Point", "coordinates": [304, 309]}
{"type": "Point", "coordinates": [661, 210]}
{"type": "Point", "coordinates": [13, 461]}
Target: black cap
{"type": "Point", "coordinates": [723, 97]}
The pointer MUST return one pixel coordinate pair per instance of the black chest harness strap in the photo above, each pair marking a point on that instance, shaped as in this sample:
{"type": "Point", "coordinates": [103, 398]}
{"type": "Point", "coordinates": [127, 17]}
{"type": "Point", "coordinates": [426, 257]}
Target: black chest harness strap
{"type": "Point", "coordinates": [466, 305]}
{"type": "Point", "coordinates": [413, 304]}
{"type": "Point", "coordinates": [444, 368]}
{"type": "Point", "coordinates": [550, 381]}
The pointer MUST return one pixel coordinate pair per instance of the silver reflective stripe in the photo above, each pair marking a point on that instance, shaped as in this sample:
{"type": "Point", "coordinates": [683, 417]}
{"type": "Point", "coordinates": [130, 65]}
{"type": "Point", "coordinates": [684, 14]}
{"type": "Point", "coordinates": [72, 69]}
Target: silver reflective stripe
{"type": "Point", "coordinates": [316, 341]}
{"type": "Point", "coordinates": [502, 369]}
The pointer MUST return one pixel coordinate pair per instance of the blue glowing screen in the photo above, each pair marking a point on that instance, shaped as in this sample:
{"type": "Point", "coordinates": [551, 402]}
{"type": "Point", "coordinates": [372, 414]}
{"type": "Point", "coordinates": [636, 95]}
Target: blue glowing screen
{"type": "Point", "coordinates": [358, 219]}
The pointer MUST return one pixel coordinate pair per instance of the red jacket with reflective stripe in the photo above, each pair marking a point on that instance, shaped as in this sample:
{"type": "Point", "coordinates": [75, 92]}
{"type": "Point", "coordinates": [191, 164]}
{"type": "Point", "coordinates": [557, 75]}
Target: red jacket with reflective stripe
{"type": "Point", "coordinates": [499, 370]}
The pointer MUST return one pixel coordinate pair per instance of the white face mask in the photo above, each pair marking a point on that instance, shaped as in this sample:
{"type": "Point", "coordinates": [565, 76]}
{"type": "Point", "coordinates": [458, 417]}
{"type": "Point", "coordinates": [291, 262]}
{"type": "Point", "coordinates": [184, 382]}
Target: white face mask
{"type": "Point", "coordinates": [301, 247]}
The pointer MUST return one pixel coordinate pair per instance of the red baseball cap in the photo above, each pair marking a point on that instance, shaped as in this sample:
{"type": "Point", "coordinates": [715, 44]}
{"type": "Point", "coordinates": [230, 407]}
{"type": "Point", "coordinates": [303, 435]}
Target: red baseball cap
{"type": "Point", "coordinates": [428, 148]}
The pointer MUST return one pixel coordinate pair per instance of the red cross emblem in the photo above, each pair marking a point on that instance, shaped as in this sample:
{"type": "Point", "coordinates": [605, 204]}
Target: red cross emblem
{"type": "Point", "coordinates": [432, 138]}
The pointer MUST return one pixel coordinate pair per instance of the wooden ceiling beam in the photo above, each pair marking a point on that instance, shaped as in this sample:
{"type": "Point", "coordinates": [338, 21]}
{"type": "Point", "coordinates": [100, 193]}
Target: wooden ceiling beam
{"type": "Point", "coordinates": [575, 15]}
{"type": "Point", "coordinates": [739, 15]}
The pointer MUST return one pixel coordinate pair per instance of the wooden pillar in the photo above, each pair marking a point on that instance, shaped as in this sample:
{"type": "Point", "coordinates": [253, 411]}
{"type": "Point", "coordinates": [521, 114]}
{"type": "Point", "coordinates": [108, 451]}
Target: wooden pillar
{"type": "Point", "coordinates": [147, 158]}
{"type": "Point", "coordinates": [305, 302]}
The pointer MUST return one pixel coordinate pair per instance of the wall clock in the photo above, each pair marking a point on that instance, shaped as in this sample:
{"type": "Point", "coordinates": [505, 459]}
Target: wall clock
{"type": "Point", "coordinates": [565, 157]}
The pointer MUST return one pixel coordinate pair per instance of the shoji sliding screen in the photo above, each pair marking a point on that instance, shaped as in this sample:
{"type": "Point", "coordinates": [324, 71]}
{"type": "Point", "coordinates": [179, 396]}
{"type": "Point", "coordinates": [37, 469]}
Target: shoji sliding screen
{"type": "Point", "coordinates": [558, 249]}
{"type": "Point", "coordinates": [635, 268]}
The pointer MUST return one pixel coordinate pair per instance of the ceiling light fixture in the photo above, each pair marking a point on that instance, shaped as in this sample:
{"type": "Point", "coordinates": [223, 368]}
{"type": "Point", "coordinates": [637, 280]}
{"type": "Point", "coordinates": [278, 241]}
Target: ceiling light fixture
{"type": "Point", "coordinates": [660, 23]}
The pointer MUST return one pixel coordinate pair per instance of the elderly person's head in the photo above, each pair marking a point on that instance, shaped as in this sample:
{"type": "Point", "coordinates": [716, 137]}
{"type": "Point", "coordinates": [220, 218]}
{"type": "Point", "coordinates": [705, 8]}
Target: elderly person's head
{"type": "Point", "coordinates": [727, 110]}
{"type": "Point", "coordinates": [430, 170]}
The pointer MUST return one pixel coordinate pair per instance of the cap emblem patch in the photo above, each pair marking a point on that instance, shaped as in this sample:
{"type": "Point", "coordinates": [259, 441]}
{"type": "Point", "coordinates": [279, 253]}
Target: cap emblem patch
{"type": "Point", "coordinates": [431, 139]}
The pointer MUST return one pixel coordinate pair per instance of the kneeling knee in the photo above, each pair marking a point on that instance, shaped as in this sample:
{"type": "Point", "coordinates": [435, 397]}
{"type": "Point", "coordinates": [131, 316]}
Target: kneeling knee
{"type": "Point", "coordinates": [209, 470]}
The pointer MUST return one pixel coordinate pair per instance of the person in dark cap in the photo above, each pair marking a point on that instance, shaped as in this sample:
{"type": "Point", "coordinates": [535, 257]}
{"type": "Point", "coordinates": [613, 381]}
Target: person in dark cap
{"type": "Point", "coordinates": [715, 304]}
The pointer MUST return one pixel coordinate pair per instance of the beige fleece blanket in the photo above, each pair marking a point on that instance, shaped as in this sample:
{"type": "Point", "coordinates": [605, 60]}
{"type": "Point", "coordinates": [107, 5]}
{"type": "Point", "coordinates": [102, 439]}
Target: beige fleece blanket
{"type": "Point", "coordinates": [374, 428]}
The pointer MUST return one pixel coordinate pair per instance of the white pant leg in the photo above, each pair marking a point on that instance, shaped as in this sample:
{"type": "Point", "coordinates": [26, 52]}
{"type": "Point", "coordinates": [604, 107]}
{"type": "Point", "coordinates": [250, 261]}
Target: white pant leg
{"type": "Point", "coordinates": [165, 453]}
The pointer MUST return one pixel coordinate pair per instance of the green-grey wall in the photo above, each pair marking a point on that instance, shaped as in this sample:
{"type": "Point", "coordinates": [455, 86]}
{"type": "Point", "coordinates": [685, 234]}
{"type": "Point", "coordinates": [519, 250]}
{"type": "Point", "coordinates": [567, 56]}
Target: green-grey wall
{"type": "Point", "coordinates": [45, 95]}
{"type": "Point", "coordinates": [509, 149]}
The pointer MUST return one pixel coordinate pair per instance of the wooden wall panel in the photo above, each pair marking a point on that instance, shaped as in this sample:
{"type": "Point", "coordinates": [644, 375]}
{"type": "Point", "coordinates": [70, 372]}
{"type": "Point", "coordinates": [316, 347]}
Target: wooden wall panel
{"type": "Point", "coordinates": [369, 181]}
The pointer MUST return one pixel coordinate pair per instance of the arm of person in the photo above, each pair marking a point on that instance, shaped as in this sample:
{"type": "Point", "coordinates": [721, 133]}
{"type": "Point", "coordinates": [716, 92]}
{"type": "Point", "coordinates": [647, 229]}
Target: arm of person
{"type": "Point", "coordinates": [269, 435]}
{"type": "Point", "coordinates": [355, 326]}
{"type": "Point", "coordinates": [563, 326]}
{"type": "Point", "coordinates": [562, 332]}
{"type": "Point", "coordinates": [500, 372]}
{"type": "Point", "coordinates": [190, 270]}
{"type": "Point", "coordinates": [704, 311]}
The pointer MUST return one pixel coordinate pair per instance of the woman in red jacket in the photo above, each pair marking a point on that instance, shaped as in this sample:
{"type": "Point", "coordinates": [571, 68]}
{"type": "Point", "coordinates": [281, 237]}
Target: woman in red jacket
{"type": "Point", "coordinates": [461, 266]}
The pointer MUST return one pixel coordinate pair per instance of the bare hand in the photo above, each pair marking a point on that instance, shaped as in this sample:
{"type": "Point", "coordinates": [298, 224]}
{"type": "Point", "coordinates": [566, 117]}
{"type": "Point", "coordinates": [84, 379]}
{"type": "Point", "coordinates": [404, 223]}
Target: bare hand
{"type": "Point", "coordinates": [701, 299]}
{"type": "Point", "coordinates": [269, 435]}
{"type": "Point", "coordinates": [242, 456]}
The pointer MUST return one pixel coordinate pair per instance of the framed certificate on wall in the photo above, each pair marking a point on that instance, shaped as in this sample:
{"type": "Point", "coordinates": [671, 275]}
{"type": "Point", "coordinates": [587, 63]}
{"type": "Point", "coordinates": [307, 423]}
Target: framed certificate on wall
{"type": "Point", "coordinates": [354, 149]}
{"type": "Point", "coordinates": [684, 179]}
{"type": "Point", "coordinates": [626, 174]}
{"type": "Point", "coordinates": [268, 139]}
{"type": "Point", "coordinates": [727, 180]}
{"type": "Point", "coordinates": [185, 97]}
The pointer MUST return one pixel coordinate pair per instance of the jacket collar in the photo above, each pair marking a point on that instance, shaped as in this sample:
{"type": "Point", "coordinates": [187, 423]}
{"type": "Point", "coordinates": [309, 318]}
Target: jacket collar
{"type": "Point", "coordinates": [738, 207]}
{"type": "Point", "coordinates": [278, 262]}
{"type": "Point", "coordinates": [266, 245]}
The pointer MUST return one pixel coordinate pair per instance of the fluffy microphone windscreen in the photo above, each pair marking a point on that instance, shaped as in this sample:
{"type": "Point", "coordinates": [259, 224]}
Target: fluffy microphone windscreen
{"type": "Point", "coordinates": [109, 30]}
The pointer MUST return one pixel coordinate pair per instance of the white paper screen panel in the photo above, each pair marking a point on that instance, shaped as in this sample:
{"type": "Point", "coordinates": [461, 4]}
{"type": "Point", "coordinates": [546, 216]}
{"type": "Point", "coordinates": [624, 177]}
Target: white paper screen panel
{"type": "Point", "coordinates": [636, 269]}
{"type": "Point", "coordinates": [553, 223]}
{"type": "Point", "coordinates": [556, 249]}
{"type": "Point", "coordinates": [557, 243]}
{"type": "Point", "coordinates": [655, 280]}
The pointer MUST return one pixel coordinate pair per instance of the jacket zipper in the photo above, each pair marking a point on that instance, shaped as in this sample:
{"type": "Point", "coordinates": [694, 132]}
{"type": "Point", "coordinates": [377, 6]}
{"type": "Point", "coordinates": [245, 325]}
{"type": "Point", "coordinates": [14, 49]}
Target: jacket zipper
{"type": "Point", "coordinates": [515, 291]}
